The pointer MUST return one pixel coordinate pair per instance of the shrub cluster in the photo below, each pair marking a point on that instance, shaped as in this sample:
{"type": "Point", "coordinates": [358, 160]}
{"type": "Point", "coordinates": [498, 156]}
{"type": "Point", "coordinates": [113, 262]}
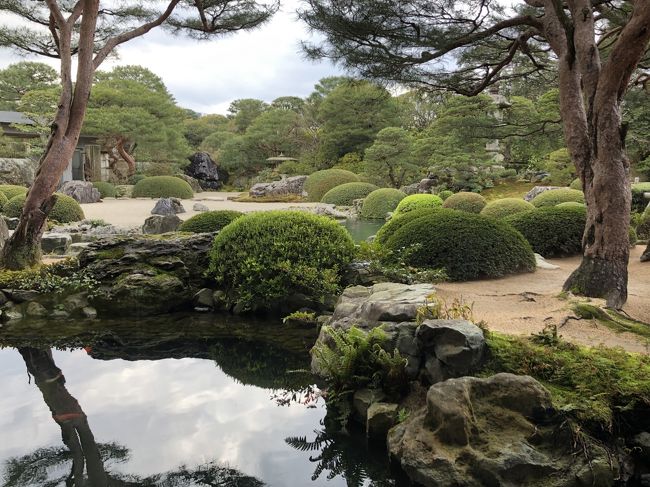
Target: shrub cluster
{"type": "Point", "coordinates": [380, 202]}
{"type": "Point", "coordinates": [107, 190]}
{"type": "Point", "coordinates": [505, 207]}
{"type": "Point", "coordinates": [397, 221]}
{"type": "Point", "coordinates": [417, 201]}
{"type": "Point", "coordinates": [576, 184]}
{"type": "Point", "coordinates": [466, 245]}
{"type": "Point", "coordinates": [554, 197]}
{"type": "Point", "coordinates": [319, 183]}
{"type": "Point", "coordinates": [643, 227]}
{"type": "Point", "coordinates": [464, 201]}
{"type": "Point", "coordinates": [572, 204]}
{"type": "Point", "coordinates": [11, 190]}
{"type": "Point", "coordinates": [3, 201]}
{"type": "Point", "coordinates": [65, 210]}
{"type": "Point", "coordinates": [551, 230]}
{"type": "Point", "coordinates": [639, 203]}
{"type": "Point", "coordinates": [444, 194]}
{"type": "Point", "coordinates": [162, 187]}
{"type": "Point", "coordinates": [262, 259]}
{"type": "Point", "coordinates": [209, 221]}
{"type": "Point", "coordinates": [345, 194]}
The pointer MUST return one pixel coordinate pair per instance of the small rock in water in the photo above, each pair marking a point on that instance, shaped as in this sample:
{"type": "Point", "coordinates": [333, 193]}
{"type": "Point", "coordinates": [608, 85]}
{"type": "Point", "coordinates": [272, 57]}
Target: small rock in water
{"type": "Point", "coordinates": [200, 207]}
{"type": "Point", "coordinates": [89, 312]}
{"type": "Point", "coordinates": [36, 309]}
{"type": "Point", "coordinates": [381, 417]}
{"type": "Point", "coordinates": [168, 206]}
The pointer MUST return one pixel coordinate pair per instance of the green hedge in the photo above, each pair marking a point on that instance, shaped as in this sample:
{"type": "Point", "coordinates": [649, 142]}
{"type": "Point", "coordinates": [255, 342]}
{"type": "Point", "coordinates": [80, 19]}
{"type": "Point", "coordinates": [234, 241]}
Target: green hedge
{"type": "Point", "coordinates": [576, 184]}
{"type": "Point", "coordinates": [444, 194]}
{"type": "Point", "coordinates": [551, 230]}
{"type": "Point", "coordinates": [554, 197]}
{"type": "Point", "coordinates": [162, 187]}
{"type": "Point", "coordinates": [266, 260]}
{"type": "Point", "coordinates": [416, 201]}
{"type": "Point", "coordinates": [634, 238]}
{"type": "Point", "coordinates": [571, 204]}
{"type": "Point", "coordinates": [209, 221]}
{"type": "Point", "coordinates": [464, 201]}
{"type": "Point", "coordinates": [65, 209]}
{"type": "Point", "coordinates": [107, 190]}
{"type": "Point", "coordinates": [467, 246]}
{"type": "Point", "coordinates": [3, 201]}
{"type": "Point", "coordinates": [380, 202]}
{"type": "Point", "coordinates": [505, 207]}
{"type": "Point", "coordinates": [399, 220]}
{"type": "Point", "coordinates": [639, 203]}
{"type": "Point", "coordinates": [11, 190]}
{"type": "Point", "coordinates": [319, 183]}
{"type": "Point", "coordinates": [345, 194]}
{"type": "Point", "coordinates": [643, 228]}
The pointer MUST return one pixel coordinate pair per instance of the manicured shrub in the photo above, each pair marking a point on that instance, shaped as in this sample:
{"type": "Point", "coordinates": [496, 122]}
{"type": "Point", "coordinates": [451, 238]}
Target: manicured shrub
{"type": "Point", "coordinates": [3, 201]}
{"type": "Point", "coordinates": [380, 202]}
{"type": "Point", "coordinates": [107, 190]}
{"type": "Point", "coordinates": [571, 204]}
{"type": "Point", "coordinates": [444, 194]}
{"type": "Point", "coordinates": [576, 184]}
{"type": "Point", "coordinates": [643, 228]}
{"type": "Point", "coordinates": [136, 178]}
{"type": "Point", "coordinates": [416, 201]}
{"type": "Point", "coordinates": [11, 190]}
{"type": "Point", "coordinates": [262, 260]}
{"type": "Point", "coordinates": [345, 194]}
{"type": "Point", "coordinates": [633, 237]}
{"type": "Point", "coordinates": [209, 221]}
{"type": "Point", "coordinates": [319, 183]}
{"type": "Point", "coordinates": [551, 230]}
{"type": "Point", "coordinates": [554, 197]}
{"type": "Point", "coordinates": [464, 201]}
{"type": "Point", "coordinates": [398, 220]}
{"type": "Point", "coordinates": [505, 207]}
{"type": "Point", "coordinates": [65, 209]}
{"type": "Point", "coordinates": [162, 187]}
{"type": "Point", "coordinates": [639, 202]}
{"type": "Point", "coordinates": [465, 245]}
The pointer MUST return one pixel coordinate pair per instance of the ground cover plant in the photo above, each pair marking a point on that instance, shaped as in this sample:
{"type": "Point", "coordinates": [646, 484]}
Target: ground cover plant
{"type": "Point", "coordinates": [65, 210]}
{"type": "Point", "coordinates": [381, 202]}
{"type": "Point", "coordinates": [209, 221]}
{"type": "Point", "coordinates": [319, 183]}
{"type": "Point", "coordinates": [162, 187]}
{"type": "Point", "coordinates": [345, 194]}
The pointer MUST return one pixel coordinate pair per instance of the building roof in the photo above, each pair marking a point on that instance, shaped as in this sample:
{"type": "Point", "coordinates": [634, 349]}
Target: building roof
{"type": "Point", "coordinates": [14, 117]}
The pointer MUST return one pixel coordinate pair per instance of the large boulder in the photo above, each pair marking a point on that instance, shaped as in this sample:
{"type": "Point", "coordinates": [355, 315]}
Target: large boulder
{"type": "Point", "coordinates": [56, 243]}
{"type": "Point", "coordinates": [143, 275]}
{"type": "Point", "coordinates": [204, 170]}
{"type": "Point", "coordinates": [157, 224]}
{"type": "Point", "coordinates": [82, 191]}
{"type": "Point", "coordinates": [20, 172]}
{"type": "Point", "coordinates": [168, 206]}
{"type": "Point", "coordinates": [193, 182]}
{"type": "Point", "coordinates": [500, 430]}
{"type": "Point", "coordinates": [293, 185]}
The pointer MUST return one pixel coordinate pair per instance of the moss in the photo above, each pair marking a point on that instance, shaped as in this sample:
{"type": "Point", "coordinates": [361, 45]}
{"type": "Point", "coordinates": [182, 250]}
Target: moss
{"type": "Point", "coordinates": [464, 201]}
{"type": "Point", "coordinates": [554, 197]}
{"type": "Point", "coordinates": [516, 189]}
{"type": "Point", "coordinates": [611, 319]}
{"type": "Point", "coordinates": [320, 182]}
{"type": "Point", "coordinates": [112, 253]}
{"type": "Point", "coordinates": [381, 202]}
{"type": "Point", "coordinates": [345, 194]}
{"type": "Point", "coordinates": [162, 187]}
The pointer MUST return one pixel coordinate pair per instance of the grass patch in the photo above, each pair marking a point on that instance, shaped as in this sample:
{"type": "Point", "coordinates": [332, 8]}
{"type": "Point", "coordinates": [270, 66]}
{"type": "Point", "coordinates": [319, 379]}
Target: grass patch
{"type": "Point", "coordinates": [612, 319]}
{"type": "Point", "coordinates": [283, 198]}
{"type": "Point", "coordinates": [516, 189]}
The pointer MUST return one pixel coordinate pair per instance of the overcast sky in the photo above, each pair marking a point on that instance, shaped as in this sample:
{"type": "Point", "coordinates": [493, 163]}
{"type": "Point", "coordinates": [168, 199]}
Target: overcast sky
{"type": "Point", "coordinates": [207, 76]}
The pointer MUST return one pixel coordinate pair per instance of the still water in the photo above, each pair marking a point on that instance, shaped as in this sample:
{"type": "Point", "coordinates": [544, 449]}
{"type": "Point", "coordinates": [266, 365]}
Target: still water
{"type": "Point", "coordinates": [183, 400]}
{"type": "Point", "coordinates": [362, 229]}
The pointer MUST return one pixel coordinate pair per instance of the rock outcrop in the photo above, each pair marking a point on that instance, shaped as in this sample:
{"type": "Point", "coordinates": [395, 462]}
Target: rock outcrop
{"type": "Point", "coordinates": [82, 191]}
{"type": "Point", "coordinates": [286, 186]}
{"type": "Point", "coordinates": [501, 430]}
{"type": "Point", "coordinates": [20, 172]}
{"type": "Point", "coordinates": [204, 170]}
{"type": "Point", "coordinates": [168, 206]}
{"type": "Point", "coordinates": [157, 224]}
{"type": "Point", "coordinates": [537, 190]}
{"type": "Point", "coordinates": [56, 243]}
{"type": "Point", "coordinates": [4, 232]}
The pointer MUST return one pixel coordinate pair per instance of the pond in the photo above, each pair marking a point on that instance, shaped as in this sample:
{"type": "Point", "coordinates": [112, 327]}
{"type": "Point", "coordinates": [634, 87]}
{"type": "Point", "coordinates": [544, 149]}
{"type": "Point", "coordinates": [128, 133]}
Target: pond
{"type": "Point", "coordinates": [184, 400]}
{"type": "Point", "coordinates": [362, 229]}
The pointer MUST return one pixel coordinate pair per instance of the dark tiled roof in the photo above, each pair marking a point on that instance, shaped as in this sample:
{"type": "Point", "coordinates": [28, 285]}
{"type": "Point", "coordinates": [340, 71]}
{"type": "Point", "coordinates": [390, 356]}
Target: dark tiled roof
{"type": "Point", "coordinates": [14, 117]}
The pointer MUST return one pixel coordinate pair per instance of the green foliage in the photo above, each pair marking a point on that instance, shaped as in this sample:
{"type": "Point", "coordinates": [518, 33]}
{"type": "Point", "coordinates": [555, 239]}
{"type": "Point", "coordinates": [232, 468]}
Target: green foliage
{"type": "Point", "coordinates": [444, 194]}
{"type": "Point", "coordinates": [639, 203]}
{"type": "Point", "coordinates": [436, 308]}
{"type": "Point", "coordinates": [320, 182]}
{"type": "Point", "coordinates": [107, 190]}
{"type": "Point", "coordinates": [11, 190]}
{"type": "Point", "coordinates": [64, 277]}
{"type": "Point", "coordinates": [353, 359]}
{"type": "Point", "coordinates": [198, 128]}
{"type": "Point", "coordinates": [345, 194]}
{"type": "Point", "coordinates": [554, 197]}
{"type": "Point", "coordinates": [466, 245]}
{"type": "Point", "coordinates": [398, 220]}
{"type": "Point", "coordinates": [209, 221]}
{"type": "Point", "coordinates": [596, 386]}
{"type": "Point", "coordinates": [301, 317]}
{"type": "Point", "coordinates": [352, 162]}
{"type": "Point", "coordinates": [380, 202]}
{"type": "Point", "coordinates": [464, 201]}
{"type": "Point", "coordinates": [417, 201]}
{"type": "Point", "coordinates": [552, 230]}
{"type": "Point", "coordinates": [571, 204]}
{"type": "Point", "coordinates": [162, 187]}
{"type": "Point", "coordinates": [3, 201]}
{"type": "Point", "coordinates": [506, 207]}
{"type": "Point", "coordinates": [634, 238]}
{"type": "Point", "coordinates": [576, 184]}
{"type": "Point", "coordinates": [19, 78]}
{"type": "Point", "coordinates": [244, 111]}
{"type": "Point", "coordinates": [390, 160]}
{"type": "Point", "coordinates": [65, 210]}
{"type": "Point", "coordinates": [560, 168]}
{"type": "Point", "coordinates": [262, 259]}
{"type": "Point", "coordinates": [643, 227]}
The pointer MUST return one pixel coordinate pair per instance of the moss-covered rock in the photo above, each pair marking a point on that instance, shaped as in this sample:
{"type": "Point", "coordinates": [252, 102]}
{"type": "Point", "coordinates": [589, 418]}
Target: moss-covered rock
{"type": "Point", "coordinates": [345, 194]}
{"type": "Point", "coordinates": [381, 202]}
{"type": "Point", "coordinates": [65, 209]}
{"type": "Point", "coordinates": [556, 196]}
{"type": "Point", "coordinates": [162, 187]}
{"type": "Point", "coordinates": [467, 202]}
{"type": "Point", "coordinates": [320, 182]}
{"type": "Point", "coordinates": [209, 221]}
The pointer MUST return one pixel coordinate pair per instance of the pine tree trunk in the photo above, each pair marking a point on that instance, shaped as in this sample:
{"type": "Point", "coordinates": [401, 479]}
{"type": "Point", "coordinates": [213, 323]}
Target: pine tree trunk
{"type": "Point", "coordinates": [128, 158]}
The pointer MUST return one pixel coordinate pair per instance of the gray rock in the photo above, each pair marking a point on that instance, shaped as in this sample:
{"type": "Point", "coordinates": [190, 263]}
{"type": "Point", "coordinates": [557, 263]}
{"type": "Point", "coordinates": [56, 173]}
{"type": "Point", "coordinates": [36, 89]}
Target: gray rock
{"type": "Point", "coordinates": [499, 430]}
{"type": "Point", "coordinates": [426, 185]}
{"type": "Point", "coordinates": [77, 247]}
{"type": "Point", "coordinates": [3, 299]}
{"type": "Point", "coordinates": [157, 224]}
{"type": "Point", "coordinates": [537, 190]}
{"type": "Point", "coordinates": [382, 416]}
{"type": "Point", "coordinates": [59, 314]}
{"type": "Point", "coordinates": [205, 171]}
{"type": "Point", "coordinates": [89, 312]}
{"type": "Point", "coordinates": [11, 314]}
{"type": "Point", "coordinates": [193, 182]}
{"type": "Point", "coordinates": [82, 191]}
{"type": "Point", "coordinates": [21, 295]}
{"type": "Point", "coordinates": [20, 172]}
{"type": "Point", "coordinates": [35, 309]}
{"type": "Point", "coordinates": [56, 243]}
{"type": "Point", "coordinates": [168, 206]}
{"type": "Point", "coordinates": [204, 298]}
{"type": "Point", "coordinates": [541, 263]}
{"type": "Point", "coordinates": [645, 257]}
{"type": "Point", "coordinates": [291, 185]}
{"type": "Point", "coordinates": [4, 233]}
{"type": "Point", "coordinates": [361, 401]}
{"type": "Point", "coordinates": [12, 223]}
{"type": "Point", "coordinates": [75, 303]}
{"type": "Point", "coordinates": [200, 207]}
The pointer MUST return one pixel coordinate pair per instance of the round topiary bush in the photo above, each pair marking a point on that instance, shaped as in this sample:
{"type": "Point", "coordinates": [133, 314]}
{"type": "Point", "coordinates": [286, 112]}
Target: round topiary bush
{"type": "Point", "coordinates": [398, 220]}
{"type": "Point", "coordinates": [65, 210]}
{"type": "Point", "coordinates": [11, 190]}
{"type": "Point", "coordinates": [416, 201]}
{"type": "Point", "coordinates": [162, 187]}
{"type": "Point", "coordinates": [380, 202]}
{"type": "Point", "coordinates": [466, 245]}
{"type": "Point", "coordinates": [576, 184]}
{"type": "Point", "coordinates": [505, 207]}
{"type": "Point", "coordinates": [319, 183]}
{"type": "Point", "coordinates": [107, 190]}
{"type": "Point", "coordinates": [571, 204]}
{"type": "Point", "coordinates": [3, 201]}
{"type": "Point", "coordinates": [345, 194]}
{"type": "Point", "coordinates": [554, 197]}
{"type": "Point", "coordinates": [633, 237]}
{"type": "Point", "coordinates": [444, 194]}
{"type": "Point", "coordinates": [551, 230]}
{"type": "Point", "coordinates": [464, 201]}
{"type": "Point", "coordinates": [209, 221]}
{"type": "Point", "coordinates": [263, 260]}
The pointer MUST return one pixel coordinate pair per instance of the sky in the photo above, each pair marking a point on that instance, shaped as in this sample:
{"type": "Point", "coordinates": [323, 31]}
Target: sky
{"type": "Point", "coordinates": [207, 75]}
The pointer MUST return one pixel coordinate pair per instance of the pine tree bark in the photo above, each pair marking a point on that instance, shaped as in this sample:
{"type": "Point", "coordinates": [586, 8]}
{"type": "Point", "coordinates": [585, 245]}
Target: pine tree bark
{"type": "Point", "coordinates": [128, 158]}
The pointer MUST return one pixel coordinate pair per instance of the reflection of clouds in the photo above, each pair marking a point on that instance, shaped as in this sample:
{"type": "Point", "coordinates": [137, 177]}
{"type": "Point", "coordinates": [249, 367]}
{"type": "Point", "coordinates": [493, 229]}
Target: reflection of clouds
{"type": "Point", "coordinates": [167, 412]}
